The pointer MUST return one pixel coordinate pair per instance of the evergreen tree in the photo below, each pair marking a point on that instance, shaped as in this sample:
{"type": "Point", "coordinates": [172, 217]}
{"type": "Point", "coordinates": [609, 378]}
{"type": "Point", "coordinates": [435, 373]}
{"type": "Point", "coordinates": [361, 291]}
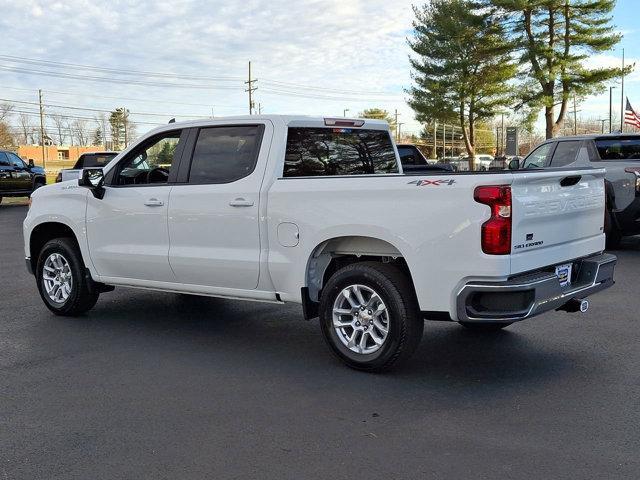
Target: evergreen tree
{"type": "Point", "coordinates": [555, 39]}
{"type": "Point", "coordinates": [97, 137]}
{"type": "Point", "coordinates": [462, 65]}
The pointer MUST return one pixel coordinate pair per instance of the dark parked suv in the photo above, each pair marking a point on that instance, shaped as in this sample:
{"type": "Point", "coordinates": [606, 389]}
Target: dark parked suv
{"type": "Point", "coordinates": [619, 154]}
{"type": "Point", "coordinates": [17, 178]}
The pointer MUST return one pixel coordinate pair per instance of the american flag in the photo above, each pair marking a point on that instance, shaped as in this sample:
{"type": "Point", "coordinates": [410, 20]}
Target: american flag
{"type": "Point", "coordinates": [630, 116]}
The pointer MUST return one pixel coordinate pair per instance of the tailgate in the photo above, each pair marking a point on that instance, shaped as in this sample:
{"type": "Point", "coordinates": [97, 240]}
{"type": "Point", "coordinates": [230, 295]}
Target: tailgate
{"type": "Point", "coordinates": [557, 215]}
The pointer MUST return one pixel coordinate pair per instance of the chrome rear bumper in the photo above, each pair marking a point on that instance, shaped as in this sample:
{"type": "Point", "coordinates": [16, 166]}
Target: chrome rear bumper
{"type": "Point", "coordinates": [531, 294]}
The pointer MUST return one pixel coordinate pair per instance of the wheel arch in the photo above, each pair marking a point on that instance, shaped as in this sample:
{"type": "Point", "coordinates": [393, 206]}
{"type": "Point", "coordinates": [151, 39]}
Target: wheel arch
{"type": "Point", "coordinates": [44, 232]}
{"type": "Point", "coordinates": [337, 252]}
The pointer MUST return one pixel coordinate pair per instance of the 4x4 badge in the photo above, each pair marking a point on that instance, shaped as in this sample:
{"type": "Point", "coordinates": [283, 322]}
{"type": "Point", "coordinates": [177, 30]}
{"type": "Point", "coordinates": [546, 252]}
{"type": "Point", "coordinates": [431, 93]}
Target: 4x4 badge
{"type": "Point", "coordinates": [426, 182]}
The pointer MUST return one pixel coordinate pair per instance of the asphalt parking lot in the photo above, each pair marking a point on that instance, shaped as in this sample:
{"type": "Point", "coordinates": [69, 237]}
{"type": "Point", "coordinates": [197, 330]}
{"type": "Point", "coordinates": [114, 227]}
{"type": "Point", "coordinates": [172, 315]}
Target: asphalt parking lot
{"type": "Point", "coordinates": [153, 385]}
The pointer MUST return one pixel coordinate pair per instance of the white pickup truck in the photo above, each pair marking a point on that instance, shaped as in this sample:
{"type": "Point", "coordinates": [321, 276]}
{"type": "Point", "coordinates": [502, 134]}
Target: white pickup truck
{"type": "Point", "coordinates": [317, 211]}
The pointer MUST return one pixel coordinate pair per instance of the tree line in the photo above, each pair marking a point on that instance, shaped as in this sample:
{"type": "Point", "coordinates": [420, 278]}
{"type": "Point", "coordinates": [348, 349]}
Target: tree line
{"type": "Point", "coordinates": [474, 59]}
{"type": "Point", "coordinates": [114, 130]}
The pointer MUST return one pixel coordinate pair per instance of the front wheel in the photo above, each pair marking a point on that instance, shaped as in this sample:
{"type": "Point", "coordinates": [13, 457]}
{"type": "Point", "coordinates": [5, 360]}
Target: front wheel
{"type": "Point", "coordinates": [61, 280]}
{"type": "Point", "coordinates": [370, 317]}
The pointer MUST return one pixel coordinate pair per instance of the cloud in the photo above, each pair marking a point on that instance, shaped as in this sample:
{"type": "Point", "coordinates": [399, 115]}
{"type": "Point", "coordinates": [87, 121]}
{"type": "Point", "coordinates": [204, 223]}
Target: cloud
{"type": "Point", "coordinates": [356, 45]}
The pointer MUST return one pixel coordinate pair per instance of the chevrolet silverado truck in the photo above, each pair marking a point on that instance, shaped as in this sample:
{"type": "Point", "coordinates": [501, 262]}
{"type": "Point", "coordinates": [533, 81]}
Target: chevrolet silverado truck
{"type": "Point", "coordinates": [318, 211]}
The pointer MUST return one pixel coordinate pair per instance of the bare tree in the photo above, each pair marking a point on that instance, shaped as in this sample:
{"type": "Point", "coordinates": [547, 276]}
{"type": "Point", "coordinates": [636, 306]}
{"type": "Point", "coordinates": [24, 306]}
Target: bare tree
{"type": "Point", "coordinates": [61, 127]}
{"type": "Point", "coordinates": [26, 129]}
{"type": "Point", "coordinates": [80, 132]}
{"type": "Point", "coordinates": [5, 111]}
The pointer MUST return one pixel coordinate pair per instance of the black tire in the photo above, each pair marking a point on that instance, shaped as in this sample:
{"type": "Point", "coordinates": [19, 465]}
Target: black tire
{"type": "Point", "coordinates": [612, 232]}
{"type": "Point", "coordinates": [80, 299]}
{"type": "Point", "coordinates": [485, 327]}
{"type": "Point", "coordinates": [37, 185]}
{"type": "Point", "coordinates": [405, 324]}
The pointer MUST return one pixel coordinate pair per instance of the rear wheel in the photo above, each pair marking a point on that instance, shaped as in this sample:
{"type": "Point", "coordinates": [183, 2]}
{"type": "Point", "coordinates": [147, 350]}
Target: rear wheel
{"type": "Point", "coordinates": [61, 280]}
{"type": "Point", "coordinates": [370, 317]}
{"type": "Point", "coordinates": [485, 326]}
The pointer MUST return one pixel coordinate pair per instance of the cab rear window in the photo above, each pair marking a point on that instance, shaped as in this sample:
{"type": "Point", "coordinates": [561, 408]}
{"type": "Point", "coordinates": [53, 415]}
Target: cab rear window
{"type": "Point", "coordinates": [619, 148]}
{"type": "Point", "coordinates": [319, 152]}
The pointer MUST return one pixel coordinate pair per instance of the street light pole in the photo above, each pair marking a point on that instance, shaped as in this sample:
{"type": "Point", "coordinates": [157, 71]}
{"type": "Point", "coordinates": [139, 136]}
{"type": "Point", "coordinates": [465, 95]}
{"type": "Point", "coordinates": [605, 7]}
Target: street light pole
{"type": "Point", "coordinates": [344, 112]}
{"type": "Point", "coordinates": [602, 120]}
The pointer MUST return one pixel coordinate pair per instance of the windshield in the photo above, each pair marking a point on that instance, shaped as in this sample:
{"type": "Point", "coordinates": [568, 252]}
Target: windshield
{"type": "Point", "coordinates": [619, 148]}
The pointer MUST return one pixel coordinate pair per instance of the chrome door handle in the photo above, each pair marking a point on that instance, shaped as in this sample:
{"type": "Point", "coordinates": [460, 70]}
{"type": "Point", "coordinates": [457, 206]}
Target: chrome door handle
{"type": "Point", "coordinates": [154, 202]}
{"type": "Point", "coordinates": [241, 202]}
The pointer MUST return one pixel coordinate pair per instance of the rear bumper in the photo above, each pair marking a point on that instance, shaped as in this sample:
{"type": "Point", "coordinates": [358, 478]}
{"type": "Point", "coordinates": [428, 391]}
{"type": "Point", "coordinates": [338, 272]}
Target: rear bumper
{"type": "Point", "coordinates": [534, 293]}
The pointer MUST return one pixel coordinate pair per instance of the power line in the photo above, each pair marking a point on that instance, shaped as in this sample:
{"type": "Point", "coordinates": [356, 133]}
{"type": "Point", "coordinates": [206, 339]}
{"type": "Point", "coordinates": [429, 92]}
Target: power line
{"type": "Point", "coordinates": [119, 71]}
{"type": "Point", "coordinates": [146, 73]}
{"type": "Point", "coordinates": [100, 110]}
{"type": "Point", "coordinates": [279, 84]}
{"type": "Point", "coordinates": [113, 80]}
{"type": "Point", "coordinates": [143, 100]}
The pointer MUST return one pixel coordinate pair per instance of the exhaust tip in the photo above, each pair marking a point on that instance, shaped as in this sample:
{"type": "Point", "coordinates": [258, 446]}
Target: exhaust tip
{"type": "Point", "coordinates": [575, 305]}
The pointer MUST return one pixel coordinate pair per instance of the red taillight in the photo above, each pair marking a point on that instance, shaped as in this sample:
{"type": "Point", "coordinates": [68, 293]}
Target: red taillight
{"type": "Point", "coordinates": [496, 232]}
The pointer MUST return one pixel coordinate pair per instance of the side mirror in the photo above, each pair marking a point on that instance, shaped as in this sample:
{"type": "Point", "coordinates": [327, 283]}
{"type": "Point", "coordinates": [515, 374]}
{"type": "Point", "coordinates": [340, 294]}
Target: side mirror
{"type": "Point", "coordinates": [514, 164]}
{"type": "Point", "coordinates": [93, 179]}
{"type": "Point", "coordinates": [31, 164]}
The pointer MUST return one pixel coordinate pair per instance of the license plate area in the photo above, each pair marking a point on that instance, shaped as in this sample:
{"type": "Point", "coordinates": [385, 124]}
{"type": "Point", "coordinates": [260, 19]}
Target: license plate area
{"type": "Point", "coordinates": [563, 272]}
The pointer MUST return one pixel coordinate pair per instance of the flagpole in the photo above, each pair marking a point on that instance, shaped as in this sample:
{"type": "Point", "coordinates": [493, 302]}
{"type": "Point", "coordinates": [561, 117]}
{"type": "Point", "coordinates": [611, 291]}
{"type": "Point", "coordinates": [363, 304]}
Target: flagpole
{"type": "Point", "coordinates": [622, 105]}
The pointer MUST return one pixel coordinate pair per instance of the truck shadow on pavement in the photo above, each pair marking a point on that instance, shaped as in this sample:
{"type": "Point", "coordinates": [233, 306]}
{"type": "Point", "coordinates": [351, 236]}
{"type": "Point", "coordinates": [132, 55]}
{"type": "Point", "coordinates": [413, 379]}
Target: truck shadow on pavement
{"type": "Point", "coordinates": [254, 338]}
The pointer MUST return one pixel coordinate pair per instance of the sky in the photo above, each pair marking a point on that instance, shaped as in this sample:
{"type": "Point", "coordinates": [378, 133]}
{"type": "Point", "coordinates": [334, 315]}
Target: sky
{"type": "Point", "coordinates": [315, 57]}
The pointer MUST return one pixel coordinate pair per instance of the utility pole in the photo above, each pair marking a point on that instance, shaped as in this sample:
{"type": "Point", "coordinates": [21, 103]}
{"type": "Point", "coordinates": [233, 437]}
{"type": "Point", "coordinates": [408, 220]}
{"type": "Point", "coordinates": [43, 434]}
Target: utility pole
{"type": "Point", "coordinates": [44, 160]}
{"type": "Point", "coordinates": [575, 115]}
{"type": "Point", "coordinates": [397, 127]}
{"type": "Point", "coordinates": [610, 108]}
{"type": "Point", "coordinates": [398, 130]}
{"type": "Point", "coordinates": [250, 89]}
{"type": "Point", "coordinates": [259, 108]}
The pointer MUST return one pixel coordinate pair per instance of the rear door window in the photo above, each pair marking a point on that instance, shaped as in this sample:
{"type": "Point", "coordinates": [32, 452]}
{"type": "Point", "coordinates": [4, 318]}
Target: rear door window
{"type": "Point", "coordinates": [324, 152]}
{"type": "Point", "coordinates": [225, 154]}
{"type": "Point", "coordinates": [565, 153]}
{"type": "Point", "coordinates": [619, 148]}
{"type": "Point", "coordinates": [4, 160]}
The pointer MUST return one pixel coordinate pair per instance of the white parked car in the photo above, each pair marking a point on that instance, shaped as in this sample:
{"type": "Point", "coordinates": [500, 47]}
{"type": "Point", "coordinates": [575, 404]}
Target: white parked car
{"type": "Point", "coordinates": [481, 163]}
{"type": "Point", "coordinates": [318, 212]}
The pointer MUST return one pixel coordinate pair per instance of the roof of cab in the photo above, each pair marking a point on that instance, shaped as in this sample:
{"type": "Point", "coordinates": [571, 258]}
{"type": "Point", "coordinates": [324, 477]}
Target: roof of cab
{"type": "Point", "coordinates": [288, 120]}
